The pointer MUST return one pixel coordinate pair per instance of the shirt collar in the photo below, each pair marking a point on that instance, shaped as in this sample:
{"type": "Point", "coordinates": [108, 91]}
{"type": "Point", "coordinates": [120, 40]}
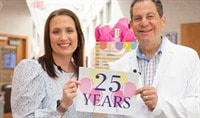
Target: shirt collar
{"type": "Point", "coordinates": [142, 56]}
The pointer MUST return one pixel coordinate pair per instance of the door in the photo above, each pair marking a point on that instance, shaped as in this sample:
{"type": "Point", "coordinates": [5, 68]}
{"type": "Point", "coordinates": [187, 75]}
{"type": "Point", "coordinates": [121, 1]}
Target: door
{"type": "Point", "coordinates": [190, 35]}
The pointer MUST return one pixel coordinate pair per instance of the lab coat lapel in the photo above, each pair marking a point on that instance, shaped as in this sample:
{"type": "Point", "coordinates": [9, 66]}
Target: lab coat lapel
{"type": "Point", "coordinates": [133, 64]}
{"type": "Point", "coordinates": [167, 54]}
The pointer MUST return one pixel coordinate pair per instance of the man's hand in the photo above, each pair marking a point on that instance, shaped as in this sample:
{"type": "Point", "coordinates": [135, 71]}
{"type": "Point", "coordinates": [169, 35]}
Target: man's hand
{"type": "Point", "coordinates": [149, 96]}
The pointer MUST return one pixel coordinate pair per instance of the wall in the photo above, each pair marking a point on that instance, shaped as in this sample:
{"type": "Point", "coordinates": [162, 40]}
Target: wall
{"type": "Point", "coordinates": [16, 19]}
{"type": "Point", "coordinates": [179, 12]}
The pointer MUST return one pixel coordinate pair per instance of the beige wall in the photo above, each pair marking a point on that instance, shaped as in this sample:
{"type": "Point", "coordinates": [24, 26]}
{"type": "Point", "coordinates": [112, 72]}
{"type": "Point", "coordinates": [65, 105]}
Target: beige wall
{"type": "Point", "coordinates": [15, 18]}
{"type": "Point", "coordinates": [180, 11]}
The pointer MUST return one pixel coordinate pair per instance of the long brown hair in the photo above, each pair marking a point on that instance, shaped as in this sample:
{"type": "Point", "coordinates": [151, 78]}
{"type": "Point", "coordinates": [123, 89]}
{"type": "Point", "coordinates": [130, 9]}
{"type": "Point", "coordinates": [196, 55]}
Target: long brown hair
{"type": "Point", "coordinates": [46, 60]}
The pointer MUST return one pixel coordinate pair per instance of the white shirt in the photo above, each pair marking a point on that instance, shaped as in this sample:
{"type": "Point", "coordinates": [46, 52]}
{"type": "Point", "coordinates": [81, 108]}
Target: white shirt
{"type": "Point", "coordinates": [34, 93]}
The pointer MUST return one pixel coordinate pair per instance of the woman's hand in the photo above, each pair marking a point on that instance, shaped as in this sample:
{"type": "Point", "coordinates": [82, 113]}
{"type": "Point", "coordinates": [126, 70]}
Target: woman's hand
{"type": "Point", "coordinates": [69, 93]}
{"type": "Point", "coordinates": [149, 96]}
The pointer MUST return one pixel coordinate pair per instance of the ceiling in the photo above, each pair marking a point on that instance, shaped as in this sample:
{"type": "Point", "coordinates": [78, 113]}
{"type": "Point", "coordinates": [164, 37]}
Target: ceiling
{"type": "Point", "coordinates": [41, 8]}
{"type": "Point", "coordinates": [38, 10]}
{"type": "Point", "coordinates": [78, 6]}
{"type": "Point", "coordinates": [46, 6]}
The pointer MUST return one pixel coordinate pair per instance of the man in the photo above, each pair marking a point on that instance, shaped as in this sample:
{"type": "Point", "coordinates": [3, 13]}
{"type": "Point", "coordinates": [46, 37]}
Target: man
{"type": "Point", "coordinates": [170, 73]}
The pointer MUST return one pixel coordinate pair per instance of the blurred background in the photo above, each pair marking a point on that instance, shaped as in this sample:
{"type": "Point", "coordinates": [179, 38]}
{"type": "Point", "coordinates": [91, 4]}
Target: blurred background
{"type": "Point", "coordinates": [22, 25]}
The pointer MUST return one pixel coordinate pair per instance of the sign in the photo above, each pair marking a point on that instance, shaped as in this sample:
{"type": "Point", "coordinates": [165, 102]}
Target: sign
{"type": "Point", "coordinates": [106, 91]}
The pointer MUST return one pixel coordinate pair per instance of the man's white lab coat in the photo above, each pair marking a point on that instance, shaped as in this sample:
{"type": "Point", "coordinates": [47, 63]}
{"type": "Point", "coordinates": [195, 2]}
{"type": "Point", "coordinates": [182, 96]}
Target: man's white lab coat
{"type": "Point", "coordinates": [177, 81]}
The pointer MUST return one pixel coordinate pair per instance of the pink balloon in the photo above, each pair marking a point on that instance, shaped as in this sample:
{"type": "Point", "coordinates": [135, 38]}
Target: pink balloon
{"type": "Point", "coordinates": [85, 85]}
{"type": "Point", "coordinates": [117, 98]}
{"type": "Point", "coordinates": [129, 89]}
{"type": "Point", "coordinates": [95, 96]}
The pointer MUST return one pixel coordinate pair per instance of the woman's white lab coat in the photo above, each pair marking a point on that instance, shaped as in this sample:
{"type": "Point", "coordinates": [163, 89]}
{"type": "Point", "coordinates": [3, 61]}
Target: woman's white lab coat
{"type": "Point", "coordinates": [177, 81]}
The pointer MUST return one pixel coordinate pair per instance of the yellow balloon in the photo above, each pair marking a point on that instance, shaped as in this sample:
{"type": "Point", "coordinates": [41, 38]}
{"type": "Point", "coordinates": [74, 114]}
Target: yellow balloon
{"type": "Point", "coordinates": [123, 78]}
{"type": "Point", "coordinates": [93, 77]}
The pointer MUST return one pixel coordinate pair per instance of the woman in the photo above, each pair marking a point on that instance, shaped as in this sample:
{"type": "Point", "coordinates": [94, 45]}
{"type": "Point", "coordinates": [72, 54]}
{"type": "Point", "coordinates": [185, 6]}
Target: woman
{"type": "Point", "coordinates": [46, 87]}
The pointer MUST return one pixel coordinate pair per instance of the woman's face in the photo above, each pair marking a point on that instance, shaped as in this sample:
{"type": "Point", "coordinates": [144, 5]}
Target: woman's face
{"type": "Point", "coordinates": [63, 35]}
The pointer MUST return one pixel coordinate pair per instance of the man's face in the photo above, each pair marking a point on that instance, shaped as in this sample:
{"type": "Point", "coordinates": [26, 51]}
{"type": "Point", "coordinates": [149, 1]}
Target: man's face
{"type": "Point", "coordinates": [146, 23]}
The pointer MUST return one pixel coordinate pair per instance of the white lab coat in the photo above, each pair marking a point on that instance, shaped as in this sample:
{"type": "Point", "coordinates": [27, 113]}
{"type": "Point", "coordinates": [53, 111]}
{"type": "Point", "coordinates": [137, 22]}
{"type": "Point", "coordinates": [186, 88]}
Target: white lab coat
{"type": "Point", "coordinates": [177, 81]}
